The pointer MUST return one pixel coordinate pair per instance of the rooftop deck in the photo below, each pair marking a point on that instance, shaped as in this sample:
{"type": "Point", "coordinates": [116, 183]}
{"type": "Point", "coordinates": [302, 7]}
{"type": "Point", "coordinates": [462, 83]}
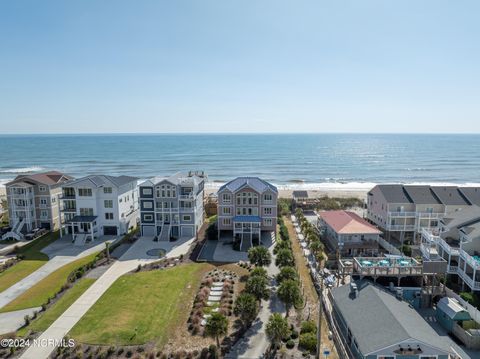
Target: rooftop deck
{"type": "Point", "coordinates": [386, 266]}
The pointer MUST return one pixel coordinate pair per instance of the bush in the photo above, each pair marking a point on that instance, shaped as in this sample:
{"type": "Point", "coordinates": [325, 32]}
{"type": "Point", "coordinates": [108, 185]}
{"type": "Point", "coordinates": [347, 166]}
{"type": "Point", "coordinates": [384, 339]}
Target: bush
{"type": "Point", "coordinates": [294, 334]}
{"type": "Point", "coordinates": [308, 341]}
{"type": "Point", "coordinates": [308, 327]}
{"type": "Point", "coordinates": [290, 344]}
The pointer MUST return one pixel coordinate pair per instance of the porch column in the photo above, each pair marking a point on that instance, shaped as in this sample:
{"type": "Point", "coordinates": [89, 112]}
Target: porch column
{"type": "Point", "coordinates": [91, 230]}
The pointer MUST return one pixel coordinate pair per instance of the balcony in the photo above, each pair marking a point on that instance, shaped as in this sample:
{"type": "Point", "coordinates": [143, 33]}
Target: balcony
{"type": "Point", "coordinates": [189, 196]}
{"type": "Point", "coordinates": [67, 196]}
{"type": "Point", "coordinates": [447, 248]}
{"type": "Point", "coordinates": [426, 215]}
{"type": "Point", "coordinates": [401, 214]}
{"type": "Point", "coordinates": [472, 261]}
{"type": "Point", "coordinates": [452, 269]}
{"type": "Point", "coordinates": [68, 209]}
{"type": "Point", "coordinates": [401, 227]}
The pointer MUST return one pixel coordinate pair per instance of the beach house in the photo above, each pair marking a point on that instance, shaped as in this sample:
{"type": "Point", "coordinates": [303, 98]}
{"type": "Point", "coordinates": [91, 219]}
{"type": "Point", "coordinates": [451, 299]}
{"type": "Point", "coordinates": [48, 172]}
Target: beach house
{"type": "Point", "coordinates": [349, 233]}
{"type": "Point", "coordinates": [98, 205]}
{"type": "Point", "coordinates": [33, 202]}
{"type": "Point", "coordinates": [374, 323]}
{"type": "Point", "coordinates": [402, 211]}
{"type": "Point", "coordinates": [172, 207]}
{"type": "Point", "coordinates": [456, 241]}
{"type": "Point", "coordinates": [247, 206]}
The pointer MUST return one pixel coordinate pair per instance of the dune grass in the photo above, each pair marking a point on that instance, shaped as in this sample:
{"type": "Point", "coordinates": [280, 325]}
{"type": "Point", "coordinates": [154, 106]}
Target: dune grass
{"type": "Point", "coordinates": [45, 319]}
{"type": "Point", "coordinates": [47, 287]}
{"type": "Point", "coordinates": [141, 307]}
{"type": "Point", "coordinates": [33, 259]}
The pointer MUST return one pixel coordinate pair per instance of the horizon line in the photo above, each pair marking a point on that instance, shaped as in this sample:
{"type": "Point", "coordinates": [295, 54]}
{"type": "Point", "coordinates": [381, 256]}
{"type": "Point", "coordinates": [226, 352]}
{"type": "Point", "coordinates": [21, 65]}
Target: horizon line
{"type": "Point", "coordinates": [230, 133]}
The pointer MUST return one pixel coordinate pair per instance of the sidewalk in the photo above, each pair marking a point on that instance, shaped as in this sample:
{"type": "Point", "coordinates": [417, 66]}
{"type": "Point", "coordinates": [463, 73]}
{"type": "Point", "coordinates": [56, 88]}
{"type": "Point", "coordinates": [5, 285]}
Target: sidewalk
{"type": "Point", "coordinates": [255, 342]}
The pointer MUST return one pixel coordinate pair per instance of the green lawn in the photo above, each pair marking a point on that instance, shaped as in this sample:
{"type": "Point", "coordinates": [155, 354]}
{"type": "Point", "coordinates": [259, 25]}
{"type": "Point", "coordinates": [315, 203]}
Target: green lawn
{"type": "Point", "coordinates": [141, 307]}
{"type": "Point", "coordinates": [47, 287]}
{"type": "Point", "coordinates": [45, 319]}
{"type": "Point", "coordinates": [34, 259]}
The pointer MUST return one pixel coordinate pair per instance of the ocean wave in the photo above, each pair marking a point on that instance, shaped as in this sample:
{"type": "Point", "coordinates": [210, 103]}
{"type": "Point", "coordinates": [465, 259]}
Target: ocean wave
{"type": "Point", "coordinates": [22, 170]}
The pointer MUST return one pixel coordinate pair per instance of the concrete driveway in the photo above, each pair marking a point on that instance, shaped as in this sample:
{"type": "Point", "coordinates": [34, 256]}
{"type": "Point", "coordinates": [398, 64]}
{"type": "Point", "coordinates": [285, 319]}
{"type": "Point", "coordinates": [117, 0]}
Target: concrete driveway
{"type": "Point", "coordinates": [137, 254]}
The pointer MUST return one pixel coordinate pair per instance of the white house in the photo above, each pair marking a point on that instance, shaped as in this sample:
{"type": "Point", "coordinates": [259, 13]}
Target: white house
{"type": "Point", "coordinates": [98, 205]}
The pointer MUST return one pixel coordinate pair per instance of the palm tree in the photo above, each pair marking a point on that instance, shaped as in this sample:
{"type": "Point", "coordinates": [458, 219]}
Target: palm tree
{"type": "Point", "coordinates": [216, 325]}
{"type": "Point", "coordinates": [317, 250]}
{"type": "Point", "coordinates": [284, 258]}
{"type": "Point", "coordinates": [258, 287]}
{"type": "Point", "coordinates": [259, 271]}
{"type": "Point", "coordinates": [277, 328]}
{"type": "Point", "coordinates": [246, 307]}
{"type": "Point", "coordinates": [259, 256]}
{"type": "Point", "coordinates": [287, 273]}
{"type": "Point", "coordinates": [290, 294]}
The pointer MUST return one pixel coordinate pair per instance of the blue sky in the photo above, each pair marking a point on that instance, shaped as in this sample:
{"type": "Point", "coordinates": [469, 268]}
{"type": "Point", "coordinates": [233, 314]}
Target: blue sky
{"type": "Point", "coordinates": [239, 66]}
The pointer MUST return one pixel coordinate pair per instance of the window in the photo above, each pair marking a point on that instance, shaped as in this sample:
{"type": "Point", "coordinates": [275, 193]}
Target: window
{"type": "Point", "coordinates": [44, 214]}
{"type": "Point", "coordinates": [187, 218]}
{"type": "Point", "coordinates": [148, 217]}
{"type": "Point", "coordinates": [227, 210]}
{"type": "Point", "coordinates": [85, 192]}
{"type": "Point", "coordinates": [147, 191]}
{"type": "Point", "coordinates": [267, 210]}
{"type": "Point", "coordinates": [267, 222]}
{"type": "Point", "coordinates": [109, 215]}
{"type": "Point", "coordinates": [147, 205]}
{"type": "Point", "coordinates": [42, 188]}
{"type": "Point", "coordinates": [86, 211]}
{"type": "Point", "coordinates": [107, 189]}
{"type": "Point", "coordinates": [268, 197]}
{"type": "Point", "coordinates": [108, 203]}
{"type": "Point", "coordinates": [43, 201]}
{"type": "Point", "coordinates": [53, 200]}
{"type": "Point", "coordinates": [227, 221]}
{"type": "Point", "coordinates": [226, 198]}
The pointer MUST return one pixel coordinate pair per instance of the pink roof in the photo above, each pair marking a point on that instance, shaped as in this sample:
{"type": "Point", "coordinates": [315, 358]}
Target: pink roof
{"type": "Point", "coordinates": [346, 222]}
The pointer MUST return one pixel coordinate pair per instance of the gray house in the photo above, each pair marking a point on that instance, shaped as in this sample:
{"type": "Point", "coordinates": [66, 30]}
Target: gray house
{"type": "Point", "coordinates": [172, 206]}
{"type": "Point", "coordinates": [375, 324]}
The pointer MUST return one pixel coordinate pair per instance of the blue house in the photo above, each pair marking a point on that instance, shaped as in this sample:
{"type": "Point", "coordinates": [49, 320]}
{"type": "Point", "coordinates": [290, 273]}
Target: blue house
{"type": "Point", "coordinates": [375, 324]}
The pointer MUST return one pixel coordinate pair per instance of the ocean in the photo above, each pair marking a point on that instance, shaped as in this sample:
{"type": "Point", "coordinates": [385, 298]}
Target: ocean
{"type": "Point", "coordinates": [288, 160]}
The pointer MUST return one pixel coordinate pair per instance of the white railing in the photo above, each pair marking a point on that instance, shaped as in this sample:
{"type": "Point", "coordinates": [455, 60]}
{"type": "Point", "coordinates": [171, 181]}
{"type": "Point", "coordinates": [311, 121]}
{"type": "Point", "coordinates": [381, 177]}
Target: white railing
{"type": "Point", "coordinates": [447, 247]}
{"type": "Point", "coordinates": [186, 196]}
{"type": "Point", "coordinates": [402, 214]}
{"type": "Point", "coordinates": [429, 236]}
{"type": "Point", "coordinates": [469, 259]}
{"type": "Point", "coordinates": [401, 227]}
{"type": "Point", "coordinates": [470, 282]}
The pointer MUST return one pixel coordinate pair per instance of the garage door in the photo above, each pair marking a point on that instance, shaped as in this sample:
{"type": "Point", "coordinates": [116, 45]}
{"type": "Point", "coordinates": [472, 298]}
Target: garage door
{"type": "Point", "coordinates": [187, 231]}
{"type": "Point", "coordinates": [148, 231]}
{"type": "Point", "coordinates": [109, 231]}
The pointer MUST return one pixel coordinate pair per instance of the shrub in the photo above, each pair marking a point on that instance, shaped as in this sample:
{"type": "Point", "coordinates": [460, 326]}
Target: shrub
{"type": "Point", "coordinates": [294, 334]}
{"type": "Point", "coordinates": [308, 327]}
{"type": "Point", "coordinates": [290, 344]}
{"type": "Point", "coordinates": [308, 341]}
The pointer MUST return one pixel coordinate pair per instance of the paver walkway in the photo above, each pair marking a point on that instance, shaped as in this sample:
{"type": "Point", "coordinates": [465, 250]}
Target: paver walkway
{"type": "Point", "coordinates": [255, 342]}
{"type": "Point", "coordinates": [130, 260]}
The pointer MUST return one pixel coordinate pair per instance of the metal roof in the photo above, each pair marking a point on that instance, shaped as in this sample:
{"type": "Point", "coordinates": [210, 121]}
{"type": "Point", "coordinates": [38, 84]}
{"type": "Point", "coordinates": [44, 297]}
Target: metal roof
{"type": "Point", "coordinates": [256, 183]}
{"type": "Point", "coordinates": [377, 319]}
{"type": "Point", "coordinates": [104, 180]}
{"type": "Point", "coordinates": [450, 307]}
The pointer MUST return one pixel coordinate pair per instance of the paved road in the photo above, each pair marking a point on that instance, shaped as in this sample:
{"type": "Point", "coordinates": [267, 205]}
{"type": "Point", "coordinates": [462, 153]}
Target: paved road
{"type": "Point", "coordinates": [11, 321]}
{"type": "Point", "coordinates": [130, 260]}
{"type": "Point", "coordinates": [255, 342]}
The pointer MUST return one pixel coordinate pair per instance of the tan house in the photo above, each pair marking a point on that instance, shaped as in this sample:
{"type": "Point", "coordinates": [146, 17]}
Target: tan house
{"type": "Point", "coordinates": [33, 202]}
{"type": "Point", "coordinates": [247, 206]}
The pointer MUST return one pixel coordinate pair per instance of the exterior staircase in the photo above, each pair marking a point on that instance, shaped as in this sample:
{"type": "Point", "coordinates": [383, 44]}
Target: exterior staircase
{"type": "Point", "coordinates": [165, 233]}
{"type": "Point", "coordinates": [80, 239]}
{"type": "Point", "coordinates": [16, 231]}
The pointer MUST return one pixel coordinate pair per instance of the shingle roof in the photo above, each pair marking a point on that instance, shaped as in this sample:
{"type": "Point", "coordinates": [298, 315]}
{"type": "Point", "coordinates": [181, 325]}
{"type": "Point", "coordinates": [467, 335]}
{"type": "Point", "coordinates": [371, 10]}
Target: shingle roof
{"type": "Point", "coordinates": [421, 195]}
{"type": "Point", "coordinates": [300, 194]}
{"type": "Point", "coordinates": [394, 193]}
{"type": "Point", "coordinates": [346, 222]}
{"type": "Point", "coordinates": [256, 183]}
{"type": "Point", "coordinates": [377, 319]}
{"type": "Point", "coordinates": [177, 178]}
{"type": "Point", "coordinates": [472, 194]}
{"type": "Point", "coordinates": [106, 180]}
{"type": "Point", "coordinates": [450, 195]}
{"type": "Point", "coordinates": [47, 178]}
